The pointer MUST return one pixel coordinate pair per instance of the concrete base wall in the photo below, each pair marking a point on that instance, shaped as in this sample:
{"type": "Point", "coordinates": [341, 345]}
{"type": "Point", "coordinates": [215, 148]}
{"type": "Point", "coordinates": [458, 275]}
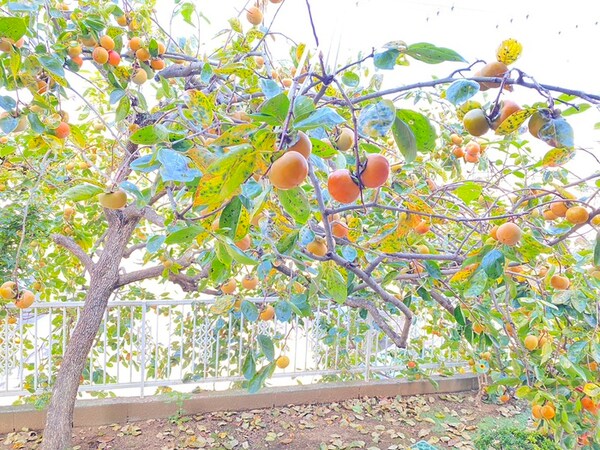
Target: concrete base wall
{"type": "Point", "coordinates": [90, 413]}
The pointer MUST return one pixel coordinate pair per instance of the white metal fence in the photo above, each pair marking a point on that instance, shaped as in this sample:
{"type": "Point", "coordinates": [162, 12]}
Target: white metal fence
{"type": "Point", "coordinates": [159, 343]}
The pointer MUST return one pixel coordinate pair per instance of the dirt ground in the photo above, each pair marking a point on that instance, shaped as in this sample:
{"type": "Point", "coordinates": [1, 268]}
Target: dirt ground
{"type": "Point", "coordinates": [445, 421]}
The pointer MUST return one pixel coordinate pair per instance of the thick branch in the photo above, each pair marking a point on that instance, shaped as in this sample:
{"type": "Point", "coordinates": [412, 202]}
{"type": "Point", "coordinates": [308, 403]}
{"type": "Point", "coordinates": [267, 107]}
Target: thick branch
{"type": "Point", "coordinates": [153, 217]}
{"type": "Point", "coordinates": [129, 251]}
{"type": "Point", "coordinates": [409, 87]}
{"type": "Point", "coordinates": [378, 318]}
{"type": "Point", "coordinates": [75, 249]}
{"type": "Point", "coordinates": [442, 301]}
{"type": "Point", "coordinates": [149, 272]}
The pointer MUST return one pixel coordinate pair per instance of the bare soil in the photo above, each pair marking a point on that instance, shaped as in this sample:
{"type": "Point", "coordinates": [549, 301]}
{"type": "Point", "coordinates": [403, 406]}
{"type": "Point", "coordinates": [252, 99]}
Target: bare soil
{"type": "Point", "coordinates": [445, 421]}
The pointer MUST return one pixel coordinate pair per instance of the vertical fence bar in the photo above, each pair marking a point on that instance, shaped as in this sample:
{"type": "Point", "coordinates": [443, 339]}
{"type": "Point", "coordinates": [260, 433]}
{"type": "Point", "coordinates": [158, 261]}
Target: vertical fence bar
{"type": "Point", "coordinates": [143, 350]}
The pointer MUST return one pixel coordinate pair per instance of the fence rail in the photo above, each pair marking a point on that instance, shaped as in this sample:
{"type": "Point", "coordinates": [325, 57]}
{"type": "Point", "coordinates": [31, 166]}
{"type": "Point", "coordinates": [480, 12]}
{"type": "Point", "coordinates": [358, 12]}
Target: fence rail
{"type": "Point", "coordinates": [162, 343]}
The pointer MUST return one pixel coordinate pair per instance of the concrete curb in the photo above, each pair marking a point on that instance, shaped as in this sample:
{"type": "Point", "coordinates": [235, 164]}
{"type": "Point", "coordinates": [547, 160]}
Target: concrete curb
{"type": "Point", "coordinates": [91, 413]}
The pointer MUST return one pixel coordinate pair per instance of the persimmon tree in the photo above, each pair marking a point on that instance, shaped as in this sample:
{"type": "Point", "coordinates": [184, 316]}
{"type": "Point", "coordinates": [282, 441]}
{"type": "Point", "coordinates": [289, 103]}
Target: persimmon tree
{"type": "Point", "coordinates": [235, 173]}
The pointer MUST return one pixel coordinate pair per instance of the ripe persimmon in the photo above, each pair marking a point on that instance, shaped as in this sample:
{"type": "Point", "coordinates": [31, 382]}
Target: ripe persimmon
{"type": "Point", "coordinates": [229, 286]}
{"type": "Point", "coordinates": [478, 328]}
{"type": "Point", "coordinates": [471, 158]}
{"type": "Point", "coordinates": [548, 412]}
{"type": "Point", "coordinates": [458, 151]}
{"type": "Point", "coordinates": [254, 15]}
{"type": "Point", "coordinates": [376, 171]}
{"type": "Point", "coordinates": [142, 54]}
{"type": "Point", "coordinates": [114, 58]}
{"type": "Point", "coordinates": [588, 404]}
{"type": "Point", "coordinates": [456, 139]}
{"type": "Point", "coordinates": [547, 214]}
{"type": "Point", "coordinates": [135, 43]}
{"type": "Point", "coordinates": [8, 290]}
{"type": "Point", "coordinates": [62, 131]}
{"type": "Point", "coordinates": [339, 229]}
{"type": "Point", "coordinates": [536, 122]}
{"type": "Point", "coordinates": [113, 200]}
{"type": "Point", "coordinates": [157, 64]}
{"type": "Point", "coordinates": [422, 227]}
{"type": "Point", "coordinates": [268, 313]}
{"type": "Point", "coordinates": [289, 171]}
{"type": "Point", "coordinates": [559, 209]}
{"type": "Point", "coordinates": [577, 215]}
{"type": "Point", "coordinates": [507, 108]}
{"type": "Point", "coordinates": [249, 282]}
{"type": "Point", "coordinates": [509, 233]}
{"type": "Point", "coordinates": [493, 232]}
{"type": "Point", "coordinates": [244, 243]}
{"type": "Point", "coordinates": [100, 55]}
{"type": "Point", "coordinates": [302, 145]}
{"type": "Point", "coordinates": [317, 247]}
{"type": "Point", "coordinates": [559, 282]}
{"type": "Point", "coordinates": [25, 299]}
{"type": "Point", "coordinates": [536, 411]}
{"type": "Point", "coordinates": [282, 362]}
{"type": "Point", "coordinates": [492, 69]}
{"type": "Point", "coordinates": [342, 187]}
{"type": "Point", "coordinates": [107, 42]}
{"type": "Point", "coordinates": [531, 342]}
{"type": "Point", "coordinates": [473, 148]}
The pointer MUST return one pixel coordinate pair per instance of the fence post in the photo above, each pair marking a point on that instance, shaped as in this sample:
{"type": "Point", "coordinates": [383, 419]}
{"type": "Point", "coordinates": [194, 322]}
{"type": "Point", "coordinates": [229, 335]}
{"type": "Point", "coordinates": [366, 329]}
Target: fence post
{"type": "Point", "coordinates": [369, 347]}
{"type": "Point", "coordinates": [143, 350]}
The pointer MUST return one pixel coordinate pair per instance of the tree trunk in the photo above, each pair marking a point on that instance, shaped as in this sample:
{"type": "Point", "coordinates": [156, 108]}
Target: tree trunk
{"type": "Point", "coordinates": [103, 281]}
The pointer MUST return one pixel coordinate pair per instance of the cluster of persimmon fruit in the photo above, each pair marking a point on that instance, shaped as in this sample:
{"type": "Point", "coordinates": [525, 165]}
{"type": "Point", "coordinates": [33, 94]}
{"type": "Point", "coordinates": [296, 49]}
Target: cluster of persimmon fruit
{"type": "Point", "coordinates": [23, 298]}
{"type": "Point", "coordinates": [103, 52]}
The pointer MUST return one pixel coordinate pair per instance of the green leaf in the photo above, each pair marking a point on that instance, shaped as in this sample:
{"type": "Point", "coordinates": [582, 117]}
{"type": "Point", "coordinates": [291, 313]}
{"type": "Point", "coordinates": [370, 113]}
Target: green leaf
{"type": "Point", "coordinates": [249, 366]}
{"type": "Point", "coordinates": [597, 250]}
{"type": "Point", "coordinates": [52, 64]}
{"type": "Point", "coordinates": [261, 376]}
{"type": "Point", "coordinates": [469, 191]}
{"type": "Point", "coordinates": [405, 139]}
{"type": "Point", "coordinates": [81, 192]}
{"type": "Point", "coordinates": [323, 149]}
{"type": "Point", "coordinates": [270, 87]}
{"type": "Point", "coordinates": [459, 316]}
{"type": "Point", "coordinates": [295, 203]}
{"type": "Point", "coordinates": [239, 255]}
{"type": "Point", "coordinates": [335, 283]}
{"type": "Point", "coordinates": [122, 109]}
{"type": "Point", "coordinates": [153, 243]}
{"type": "Point", "coordinates": [232, 218]}
{"type": "Point", "coordinates": [283, 310]}
{"type": "Point", "coordinates": [7, 103]}
{"type": "Point", "coordinates": [303, 106]}
{"type": "Point", "coordinates": [276, 107]}
{"type": "Point", "coordinates": [323, 117]}
{"type": "Point", "coordinates": [493, 264]}
{"type": "Point", "coordinates": [422, 292]}
{"type": "Point", "coordinates": [421, 127]}
{"type": "Point", "coordinates": [476, 284]}
{"type": "Point", "coordinates": [433, 269]}
{"type": "Point", "coordinates": [557, 133]}
{"type": "Point", "coordinates": [187, 10]}
{"type": "Point", "coordinates": [351, 79]}
{"type": "Point", "coordinates": [185, 235]}
{"type": "Point", "coordinates": [13, 28]}
{"type": "Point", "coordinates": [266, 346]}
{"type": "Point", "coordinates": [386, 60]}
{"type": "Point", "coordinates": [375, 120]}
{"type": "Point", "coordinates": [249, 311]}
{"type": "Point", "coordinates": [461, 90]}
{"type": "Point", "coordinates": [175, 166]}
{"type": "Point", "coordinates": [287, 243]}
{"type": "Point", "coordinates": [149, 135]}
{"type": "Point", "coordinates": [430, 54]}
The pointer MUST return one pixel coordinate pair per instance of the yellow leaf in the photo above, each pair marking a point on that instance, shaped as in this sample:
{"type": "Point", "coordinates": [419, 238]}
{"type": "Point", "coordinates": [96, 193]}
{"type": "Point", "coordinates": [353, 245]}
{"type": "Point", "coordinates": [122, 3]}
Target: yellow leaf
{"type": "Point", "coordinates": [591, 389]}
{"type": "Point", "coordinates": [225, 177]}
{"type": "Point", "coordinates": [514, 121]}
{"type": "Point", "coordinates": [202, 105]}
{"type": "Point", "coordinates": [235, 135]}
{"type": "Point", "coordinates": [509, 51]}
{"type": "Point", "coordinates": [222, 304]}
{"type": "Point", "coordinates": [355, 230]}
{"type": "Point", "coordinates": [201, 157]}
{"type": "Point", "coordinates": [464, 274]}
{"type": "Point", "coordinates": [466, 107]}
{"type": "Point", "coordinates": [558, 156]}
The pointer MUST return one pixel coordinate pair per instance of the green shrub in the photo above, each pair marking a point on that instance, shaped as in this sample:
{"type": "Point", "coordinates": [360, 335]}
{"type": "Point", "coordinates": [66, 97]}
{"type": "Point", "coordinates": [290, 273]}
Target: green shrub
{"type": "Point", "coordinates": [511, 438]}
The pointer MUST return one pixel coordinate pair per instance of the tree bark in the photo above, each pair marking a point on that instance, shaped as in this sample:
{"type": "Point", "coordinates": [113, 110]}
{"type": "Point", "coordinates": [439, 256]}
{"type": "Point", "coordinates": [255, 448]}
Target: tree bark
{"type": "Point", "coordinates": [103, 281]}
